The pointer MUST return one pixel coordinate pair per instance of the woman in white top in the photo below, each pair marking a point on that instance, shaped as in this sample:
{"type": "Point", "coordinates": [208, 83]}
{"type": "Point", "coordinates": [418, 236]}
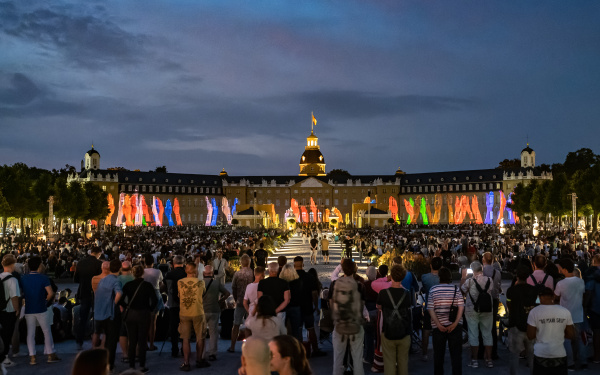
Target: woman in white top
{"type": "Point", "coordinates": [265, 324]}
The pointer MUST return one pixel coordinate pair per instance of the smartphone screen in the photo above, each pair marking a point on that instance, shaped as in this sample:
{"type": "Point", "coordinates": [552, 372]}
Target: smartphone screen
{"type": "Point", "coordinates": [469, 271]}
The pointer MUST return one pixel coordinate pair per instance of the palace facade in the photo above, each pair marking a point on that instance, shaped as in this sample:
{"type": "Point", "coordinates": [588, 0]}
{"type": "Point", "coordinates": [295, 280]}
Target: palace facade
{"type": "Point", "coordinates": [152, 198]}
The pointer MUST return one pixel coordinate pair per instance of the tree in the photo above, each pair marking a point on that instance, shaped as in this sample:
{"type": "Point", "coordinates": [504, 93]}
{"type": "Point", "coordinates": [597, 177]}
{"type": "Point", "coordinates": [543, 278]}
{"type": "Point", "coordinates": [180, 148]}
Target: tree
{"type": "Point", "coordinates": [538, 199]}
{"type": "Point", "coordinates": [161, 169]}
{"type": "Point", "coordinates": [16, 184]}
{"type": "Point", "coordinates": [556, 200]}
{"type": "Point", "coordinates": [581, 159]}
{"type": "Point", "coordinates": [97, 202]}
{"type": "Point", "coordinates": [584, 184]}
{"type": "Point", "coordinates": [511, 164]}
{"type": "Point", "coordinates": [338, 173]}
{"type": "Point", "coordinates": [521, 198]}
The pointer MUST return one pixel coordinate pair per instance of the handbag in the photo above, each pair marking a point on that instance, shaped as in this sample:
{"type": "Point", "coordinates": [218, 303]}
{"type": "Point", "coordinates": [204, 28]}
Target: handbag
{"type": "Point", "coordinates": [125, 313]}
{"type": "Point", "coordinates": [453, 309]}
{"type": "Point", "coordinates": [216, 270]}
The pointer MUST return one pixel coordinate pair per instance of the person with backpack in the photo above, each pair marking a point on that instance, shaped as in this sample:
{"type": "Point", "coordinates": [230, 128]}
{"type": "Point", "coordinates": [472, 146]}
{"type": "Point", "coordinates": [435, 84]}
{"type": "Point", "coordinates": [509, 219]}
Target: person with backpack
{"type": "Point", "coordinates": [494, 273]}
{"type": "Point", "coordinates": [394, 302]}
{"type": "Point", "coordinates": [9, 305]}
{"type": "Point", "coordinates": [591, 304]}
{"type": "Point", "coordinates": [478, 311]}
{"type": "Point", "coordinates": [346, 299]}
{"type": "Point", "coordinates": [520, 299]}
{"type": "Point", "coordinates": [539, 278]}
{"type": "Point", "coordinates": [446, 305]}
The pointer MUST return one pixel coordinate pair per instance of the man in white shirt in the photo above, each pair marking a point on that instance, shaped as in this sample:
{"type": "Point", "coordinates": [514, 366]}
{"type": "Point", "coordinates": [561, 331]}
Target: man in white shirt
{"type": "Point", "coordinates": [569, 293]}
{"type": "Point", "coordinates": [549, 324]}
{"type": "Point", "coordinates": [9, 315]}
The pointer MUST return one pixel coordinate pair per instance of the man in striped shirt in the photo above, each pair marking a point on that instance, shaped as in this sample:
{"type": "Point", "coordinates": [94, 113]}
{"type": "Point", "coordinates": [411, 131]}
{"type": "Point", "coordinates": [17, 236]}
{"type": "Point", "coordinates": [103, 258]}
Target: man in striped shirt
{"type": "Point", "coordinates": [441, 298]}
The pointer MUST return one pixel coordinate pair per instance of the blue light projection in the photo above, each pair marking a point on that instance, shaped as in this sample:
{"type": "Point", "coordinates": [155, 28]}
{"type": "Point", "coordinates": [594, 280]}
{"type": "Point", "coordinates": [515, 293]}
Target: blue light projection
{"type": "Point", "coordinates": [215, 212]}
{"type": "Point", "coordinates": [511, 216]}
{"type": "Point", "coordinates": [168, 212]}
{"type": "Point", "coordinates": [489, 202]}
{"type": "Point", "coordinates": [233, 209]}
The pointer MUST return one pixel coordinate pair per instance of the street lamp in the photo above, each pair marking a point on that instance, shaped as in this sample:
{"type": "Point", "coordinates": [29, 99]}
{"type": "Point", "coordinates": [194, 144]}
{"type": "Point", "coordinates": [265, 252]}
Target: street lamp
{"type": "Point", "coordinates": [369, 213]}
{"type": "Point", "coordinates": [254, 209]}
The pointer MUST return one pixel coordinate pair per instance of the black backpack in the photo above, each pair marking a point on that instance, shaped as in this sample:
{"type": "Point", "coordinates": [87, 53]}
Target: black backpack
{"type": "Point", "coordinates": [396, 326]}
{"type": "Point", "coordinates": [539, 286]}
{"type": "Point", "coordinates": [4, 299]}
{"type": "Point", "coordinates": [484, 301]}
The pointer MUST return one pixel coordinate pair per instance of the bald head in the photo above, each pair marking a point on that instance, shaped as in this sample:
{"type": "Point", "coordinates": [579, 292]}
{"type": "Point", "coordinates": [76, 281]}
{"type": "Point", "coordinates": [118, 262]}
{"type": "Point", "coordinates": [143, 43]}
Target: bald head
{"type": "Point", "coordinates": [273, 268]}
{"type": "Point", "coordinates": [106, 268]}
{"type": "Point", "coordinates": [256, 357]}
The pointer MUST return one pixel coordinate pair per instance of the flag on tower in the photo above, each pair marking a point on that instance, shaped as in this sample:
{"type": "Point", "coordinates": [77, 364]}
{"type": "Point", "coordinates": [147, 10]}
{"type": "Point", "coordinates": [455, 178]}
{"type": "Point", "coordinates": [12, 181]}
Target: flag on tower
{"type": "Point", "coordinates": [314, 120]}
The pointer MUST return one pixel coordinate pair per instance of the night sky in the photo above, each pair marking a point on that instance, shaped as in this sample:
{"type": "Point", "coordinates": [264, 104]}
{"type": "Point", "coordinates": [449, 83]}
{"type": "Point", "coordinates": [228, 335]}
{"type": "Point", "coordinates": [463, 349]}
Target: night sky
{"type": "Point", "coordinates": [202, 85]}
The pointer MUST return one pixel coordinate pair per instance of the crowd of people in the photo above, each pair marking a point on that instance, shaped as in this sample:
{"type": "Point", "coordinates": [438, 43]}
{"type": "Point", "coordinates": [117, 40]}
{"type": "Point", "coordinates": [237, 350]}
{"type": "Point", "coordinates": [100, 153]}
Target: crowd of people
{"type": "Point", "coordinates": [132, 284]}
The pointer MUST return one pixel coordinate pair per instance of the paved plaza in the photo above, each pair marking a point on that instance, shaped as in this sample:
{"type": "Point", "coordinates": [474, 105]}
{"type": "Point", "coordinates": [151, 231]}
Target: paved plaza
{"type": "Point", "coordinates": [228, 363]}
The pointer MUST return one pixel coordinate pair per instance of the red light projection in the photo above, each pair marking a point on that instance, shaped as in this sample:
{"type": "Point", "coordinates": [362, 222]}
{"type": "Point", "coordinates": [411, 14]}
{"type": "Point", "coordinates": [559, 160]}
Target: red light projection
{"type": "Point", "coordinates": [296, 210]}
{"type": "Point", "coordinates": [475, 209]}
{"type": "Point", "coordinates": [176, 212]}
{"type": "Point", "coordinates": [438, 209]}
{"type": "Point", "coordinates": [502, 207]}
{"type": "Point", "coordinates": [111, 208]}
{"type": "Point", "coordinates": [127, 211]}
{"type": "Point", "coordinates": [304, 214]}
{"type": "Point", "coordinates": [393, 206]}
{"type": "Point", "coordinates": [337, 213]}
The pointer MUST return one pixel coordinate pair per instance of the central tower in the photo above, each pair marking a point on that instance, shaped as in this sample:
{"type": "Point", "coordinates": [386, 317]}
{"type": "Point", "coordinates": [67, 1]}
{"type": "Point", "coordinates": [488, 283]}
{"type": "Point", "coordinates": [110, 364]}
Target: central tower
{"type": "Point", "coordinates": [312, 162]}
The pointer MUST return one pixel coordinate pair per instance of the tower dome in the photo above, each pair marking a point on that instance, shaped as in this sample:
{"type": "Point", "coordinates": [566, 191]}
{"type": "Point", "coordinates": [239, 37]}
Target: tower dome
{"type": "Point", "coordinates": [92, 159]}
{"type": "Point", "coordinates": [312, 162]}
{"type": "Point", "coordinates": [527, 157]}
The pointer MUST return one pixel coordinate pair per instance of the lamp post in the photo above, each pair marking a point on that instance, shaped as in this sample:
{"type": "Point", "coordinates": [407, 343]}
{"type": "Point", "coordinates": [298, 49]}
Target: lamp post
{"type": "Point", "coordinates": [574, 202]}
{"type": "Point", "coordinates": [254, 209]}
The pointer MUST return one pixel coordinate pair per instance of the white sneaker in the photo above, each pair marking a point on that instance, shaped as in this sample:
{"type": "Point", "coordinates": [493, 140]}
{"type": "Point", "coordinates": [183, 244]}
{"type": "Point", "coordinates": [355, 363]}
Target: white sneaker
{"type": "Point", "coordinates": [8, 363]}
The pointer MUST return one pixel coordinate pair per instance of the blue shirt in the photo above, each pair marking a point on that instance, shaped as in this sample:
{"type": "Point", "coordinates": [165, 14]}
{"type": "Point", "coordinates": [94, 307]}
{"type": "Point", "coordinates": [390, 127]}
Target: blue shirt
{"type": "Point", "coordinates": [34, 291]}
{"type": "Point", "coordinates": [593, 286]}
{"type": "Point", "coordinates": [104, 300]}
{"type": "Point", "coordinates": [428, 281]}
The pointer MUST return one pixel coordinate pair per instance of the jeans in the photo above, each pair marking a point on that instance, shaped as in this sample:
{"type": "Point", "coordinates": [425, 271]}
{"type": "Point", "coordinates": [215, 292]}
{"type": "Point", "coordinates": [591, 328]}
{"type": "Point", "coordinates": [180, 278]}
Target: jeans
{"type": "Point", "coordinates": [294, 315]}
{"type": "Point", "coordinates": [138, 323]}
{"type": "Point", "coordinates": [8, 320]}
{"type": "Point", "coordinates": [517, 342]}
{"type": "Point", "coordinates": [454, 340]}
{"type": "Point", "coordinates": [84, 314]}
{"type": "Point", "coordinates": [173, 332]}
{"type": "Point", "coordinates": [212, 322]}
{"type": "Point", "coordinates": [370, 336]}
{"type": "Point", "coordinates": [44, 321]}
{"type": "Point", "coordinates": [113, 327]}
{"type": "Point", "coordinates": [339, 350]}
{"type": "Point", "coordinates": [576, 351]}
{"type": "Point", "coordinates": [395, 355]}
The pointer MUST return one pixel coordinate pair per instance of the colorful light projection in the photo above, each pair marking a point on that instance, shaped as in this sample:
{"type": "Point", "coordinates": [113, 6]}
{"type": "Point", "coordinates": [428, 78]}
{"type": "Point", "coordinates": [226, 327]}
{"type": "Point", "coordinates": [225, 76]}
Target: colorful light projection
{"type": "Point", "coordinates": [120, 210]}
{"type": "Point", "coordinates": [313, 209]}
{"type": "Point", "coordinates": [327, 213]}
{"type": "Point", "coordinates": [416, 210]}
{"type": "Point", "coordinates": [409, 206]}
{"type": "Point", "coordinates": [296, 210]}
{"type": "Point", "coordinates": [209, 214]}
{"type": "Point", "coordinates": [215, 212]}
{"type": "Point", "coordinates": [168, 212]}
{"type": "Point", "coordinates": [489, 203]}
{"type": "Point", "coordinates": [226, 210]}
{"type": "Point", "coordinates": [393, 207]}
{"type": "Point", "coordinates": [161, 210]}
{"type": "Point", "coordinates": [475, 209]}
{"type": "Point", "coordinates": [438, 200]}
{"type": "Point", "coordinates": [511, 214]}
{"type": "Point", "coordinates": [450, 210]}
{"type": "Point", "coordinates": [127, 211]}
{"type": "Point", "coordinates": [146, 219]}
{"type": "Point", "coordinates": [502, 207]}
{"type": "Point", "coordinates": [135, 210]}
{"type": "Point", "coordinates": [337, 213]}
{"type": "Point", "coordinates": [234, 208]}
{"type": "Point", "coordinates": [347, 218]}
{"type": "Point", "coordinates": [111, 208]}
{"type": "Point", "coordinates": [176, 212]}
{"type": "Point", "coordinates": [155, 211]}
{"type": "Point", "coordinates": [424, 210]}
{"type": "Point", "coordinates": [304, 214]}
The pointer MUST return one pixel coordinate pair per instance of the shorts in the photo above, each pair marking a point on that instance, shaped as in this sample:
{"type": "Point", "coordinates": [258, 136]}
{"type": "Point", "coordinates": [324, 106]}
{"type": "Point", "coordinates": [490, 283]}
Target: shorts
{"type": "Point", "coordinates": [479, 322]}
{"type": "Point", "coordinates": [101, 326]}
{"type": "Point", "coordinates": [426, 320]}
{"type": "Point", "coordinates": [325, 253]}
{"type": "Point", "coordinates": [239, 315]}
{"type": "Point", "coordinates": [594, 319]}
{"type": "Point", "coordinates": [187, 322]}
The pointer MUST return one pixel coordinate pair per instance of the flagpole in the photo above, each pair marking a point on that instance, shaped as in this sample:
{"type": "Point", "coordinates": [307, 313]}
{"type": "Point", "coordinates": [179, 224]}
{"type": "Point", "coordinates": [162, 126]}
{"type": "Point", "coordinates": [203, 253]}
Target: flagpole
{"type": "Point", "coordinates": [312, 122]}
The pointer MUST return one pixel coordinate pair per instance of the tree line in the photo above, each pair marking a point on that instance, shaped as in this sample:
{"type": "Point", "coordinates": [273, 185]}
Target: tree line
{"type": "Point", "coordinates": [579, 174]}
{"type": "Point", "coordinates": [24, 194]}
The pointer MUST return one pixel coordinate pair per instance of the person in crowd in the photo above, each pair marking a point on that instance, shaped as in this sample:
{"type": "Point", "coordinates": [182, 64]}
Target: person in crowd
{"type": "Point", "coordinates": [11, 311]}
{"type": "Point", "coordinates": [496, 288]}
{"type": "Point", "coordinates": [215, 293]}
{"type": "Point", "coordinates": [292, 311]}
{"type": "Point", "coordinates": [154, 277]}
{"type": "Point", "coordinates": [265, 324]}
{"type": "Point", "coordinates": [281, 261]}
{"type": "Point", "coordinates": [139, 301]}
{"type": "Point", "coordinates": [478, 320]}
{"type": "Point", "coordinates": [240, 281]}
{"type": "Point", "coordinates": [105, 272]}
{"type": "Point", "coordinates": [569, 294]}
{"type": "Point", "coordinates": [91, 362]}
{"type": "Point", "coordinates": [428, 280]}
{"type": "Point", "coordinates": [592, 304]}
{"type": "Point", "coordinates": [325, 249]}
{"type": "Point", "coordinates": [314, 245]}
{"type": "Point", "coordinates": [309, 304]}
{"type": "Point", "coordinates": [38, 295]}
{"type": "Point", "coordinates": [106, 314]}
{"type": "Point", "coordinates": [539, 276]}
{"type": "Point", "coordinates": [520, 299]}
{"type": "Point", "coordinates": [276, 288]}
{"type": "Point", "coordinates": [191, 316]}
{"type": "Point", "coordinates": [220, 267]}
{"type": "Point", "coordinates": [549, 324]}
{"type": "Point", "coordinates": [288, 356]}
{"type": "Point", "coordinates": [446, 305]}
{"type": "Point", "coordinates": [86, 269]}
{"type": "Point", "coordinates": [172, 278]}
{"type": "Point", "coordinates": [346, 298]}
{"type": "Point", "coordinates": [371, 306]}
{"type": "Point", "coordinates": [250, 297]}
{"type": "Point", "coordinates": [125, 277]}
{"type": "Point", "coordinates": [256, 357]}
{"type": "Point", "coordinates": [394, 302]}
{"type": "Point", "coordinates": [261, 256]}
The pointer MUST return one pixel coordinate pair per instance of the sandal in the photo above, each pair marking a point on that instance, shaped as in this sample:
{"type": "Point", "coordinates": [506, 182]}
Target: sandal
{"type": "Point", "coordinates": [125, 359]}
{"type": "Point", "coordinates": [489, 363]}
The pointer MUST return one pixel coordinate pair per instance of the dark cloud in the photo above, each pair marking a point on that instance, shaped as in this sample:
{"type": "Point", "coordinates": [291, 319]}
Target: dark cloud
{"type": "Point", "coordinates": [17, 89]}
{"type": "Point", "coordinates": [87, 40]}
{"type": "Point", "coordinates": [357, 104]}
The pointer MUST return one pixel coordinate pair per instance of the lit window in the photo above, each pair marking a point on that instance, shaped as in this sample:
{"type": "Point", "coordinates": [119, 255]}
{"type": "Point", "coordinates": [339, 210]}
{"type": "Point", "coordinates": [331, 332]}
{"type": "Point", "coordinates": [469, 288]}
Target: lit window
{"type": "Point", "coordinates": [103, 187]}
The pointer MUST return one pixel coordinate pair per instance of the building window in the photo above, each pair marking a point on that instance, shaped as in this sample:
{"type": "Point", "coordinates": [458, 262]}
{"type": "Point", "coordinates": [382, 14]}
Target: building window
{"type": "Point", "coordinates": [103, 187]}
{"type": "Point", "coordinates": [335, 191]}
{"type": "Point", "coordinates": [420, 189]}
{"type": "Point", "coordinates": [384, 191]}
{"type": "Point", "coordinates": [129, 188]}
{"type": "Point", "coordinates": [444, 187]}
{"type": "Point", "coordinates": [464, 187]}
{"type": "Point", "coordinates": [170, 189]}
{"type": "Point", "coordinates": [470, 186]}
{"type": "Point", "coordinates": [164, 189]}
{"type": "Point", "coordinates": [144, 189]}
{"type": "Point", "coordinates": [277, 202]}
{"type": "Point", "coordinates": [427, 189]}
{"type": "Point", "coordinates": [450, 188]}
{"type": "Point", "coordinates": [286, 202]}
{"type": "Point", "coordinates": [166, 180]}
{"type": "Point", "coordinates": [476, 186]}
{"type": "Point", "coordinates": [326, 201]}
{"type": "Point", "coordinates": [213, 190]}
{"type": "Point", "coordinates": [497, 186]}
{"type": "Point", "coordinates": [195, 202]}
{"type": "Point", "coordinates": [195, 190]}
{"type": "Point", "coordinates": [414, 189]}
{"type": "Point", "coordinates": [345, 202]}
{"type": "Point", "coordinates": [218, 190]}
{"type": "Point", "coordinates": [403, 190]}
{"type": "Point", "coordinates": [177, 189]}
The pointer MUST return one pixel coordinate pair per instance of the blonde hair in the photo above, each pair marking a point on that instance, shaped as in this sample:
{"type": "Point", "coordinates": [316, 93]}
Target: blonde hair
{"type": "Point", "coordinates": [288, 273]}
